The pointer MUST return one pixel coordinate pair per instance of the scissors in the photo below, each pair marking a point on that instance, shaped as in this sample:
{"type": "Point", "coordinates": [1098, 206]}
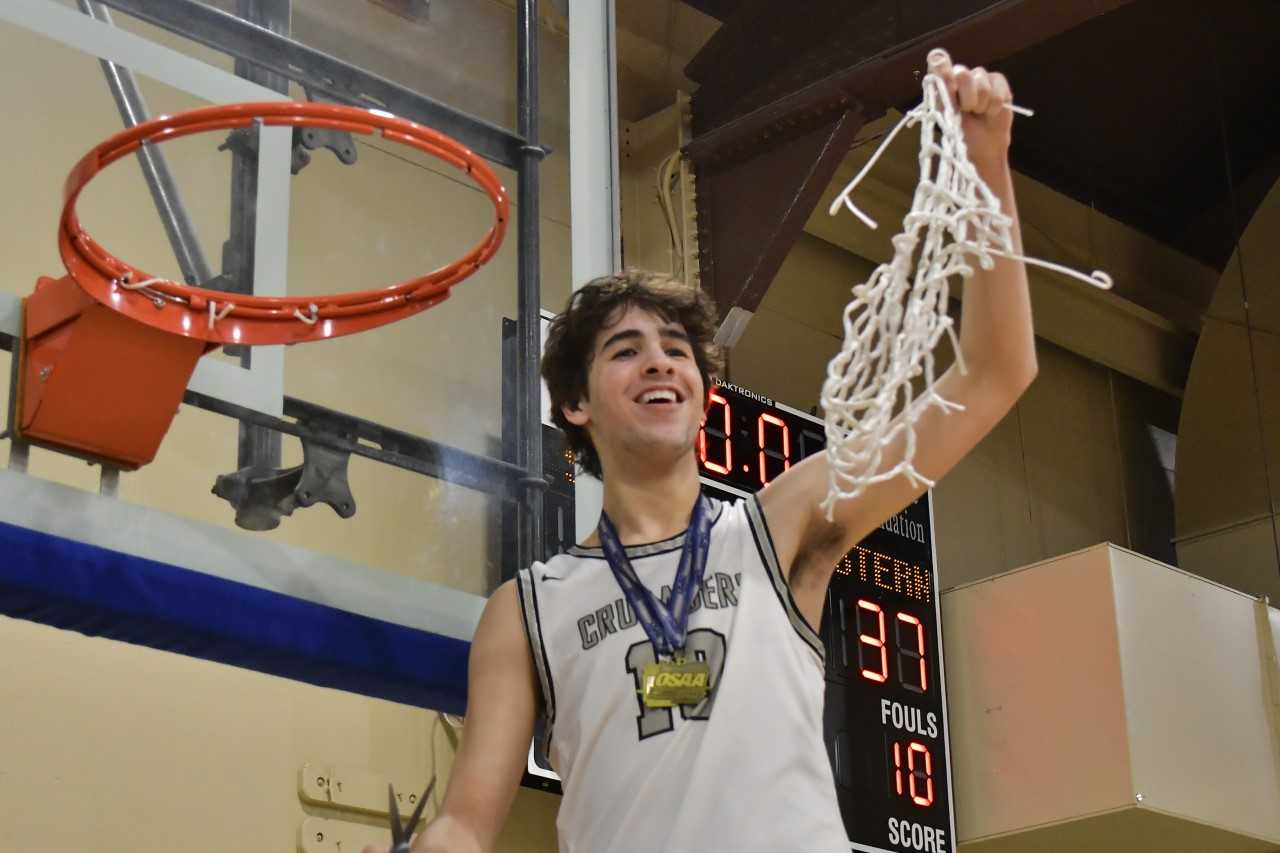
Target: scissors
{"type": "Point", "coordinates": [400, 835]}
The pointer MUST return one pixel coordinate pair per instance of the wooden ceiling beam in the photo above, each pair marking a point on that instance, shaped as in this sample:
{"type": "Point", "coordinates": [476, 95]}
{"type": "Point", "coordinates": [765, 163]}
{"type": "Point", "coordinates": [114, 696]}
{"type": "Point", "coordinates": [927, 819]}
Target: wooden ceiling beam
{"type": "Point", "coordinates": [755, 189]}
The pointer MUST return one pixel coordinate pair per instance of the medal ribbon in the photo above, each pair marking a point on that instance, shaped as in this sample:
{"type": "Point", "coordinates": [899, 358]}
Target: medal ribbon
{"type": "Point", "coordinates": [666, 624]}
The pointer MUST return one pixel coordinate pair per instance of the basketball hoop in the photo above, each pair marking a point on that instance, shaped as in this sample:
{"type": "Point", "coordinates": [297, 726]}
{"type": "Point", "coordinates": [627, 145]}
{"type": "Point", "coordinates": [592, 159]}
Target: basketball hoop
{"type": "Point", "coordinates": [80, 332]}
{"type": "Point", "coordinates": [236, 318]}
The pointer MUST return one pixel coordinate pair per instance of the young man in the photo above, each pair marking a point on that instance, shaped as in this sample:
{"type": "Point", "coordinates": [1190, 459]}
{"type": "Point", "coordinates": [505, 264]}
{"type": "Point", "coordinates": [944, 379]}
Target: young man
{"type": "Point", "coordinates": [697, 728]}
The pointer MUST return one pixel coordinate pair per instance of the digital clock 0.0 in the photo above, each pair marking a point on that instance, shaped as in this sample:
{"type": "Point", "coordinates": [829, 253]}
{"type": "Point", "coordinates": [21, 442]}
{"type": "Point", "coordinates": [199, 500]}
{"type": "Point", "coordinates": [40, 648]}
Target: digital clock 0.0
{"type": "Point", "coordinates": [885, 714]}
{"type": "Point", "coordinates": [747, 440]}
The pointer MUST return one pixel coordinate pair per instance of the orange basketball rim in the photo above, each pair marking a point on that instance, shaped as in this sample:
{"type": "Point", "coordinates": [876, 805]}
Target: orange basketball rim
{"type": "Point", "coordinates": [108, 349]}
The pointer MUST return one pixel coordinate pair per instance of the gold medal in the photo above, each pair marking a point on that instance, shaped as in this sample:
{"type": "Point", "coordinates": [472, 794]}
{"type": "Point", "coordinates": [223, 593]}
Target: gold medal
{"type": "Point", "coordinates": [675, 682]}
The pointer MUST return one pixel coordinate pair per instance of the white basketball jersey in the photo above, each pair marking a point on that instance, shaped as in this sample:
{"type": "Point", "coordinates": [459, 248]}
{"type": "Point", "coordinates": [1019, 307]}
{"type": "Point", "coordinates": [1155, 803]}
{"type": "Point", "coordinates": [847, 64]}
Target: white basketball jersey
{"type": "Point", "coordinates": [743, 771]}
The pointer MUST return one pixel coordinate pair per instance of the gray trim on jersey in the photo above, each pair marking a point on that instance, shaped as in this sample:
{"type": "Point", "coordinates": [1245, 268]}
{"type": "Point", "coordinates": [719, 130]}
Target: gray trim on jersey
{"type": "Point", "coordinates": [649, 549]}
{"type": "Point", "coordinates": [769, 556]}
{"type": "Point", "coordinates": [532, 620]}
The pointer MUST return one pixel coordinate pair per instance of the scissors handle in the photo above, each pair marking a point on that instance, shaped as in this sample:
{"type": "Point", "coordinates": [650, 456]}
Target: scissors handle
{"type": "Point", "coordinates": [402, 834]}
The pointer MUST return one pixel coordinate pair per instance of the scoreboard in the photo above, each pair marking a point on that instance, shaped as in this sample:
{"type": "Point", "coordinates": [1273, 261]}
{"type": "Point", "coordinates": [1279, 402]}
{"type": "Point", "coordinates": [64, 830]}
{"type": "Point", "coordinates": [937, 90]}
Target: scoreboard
{"type": "Point", "coordinates": [885, 721]}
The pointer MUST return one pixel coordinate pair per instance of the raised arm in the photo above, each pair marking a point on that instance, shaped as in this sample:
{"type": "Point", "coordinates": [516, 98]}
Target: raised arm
{"type": "Point", "coordinates": [502, 701]}
{"type": "Point", "coordinates": [998, 343]}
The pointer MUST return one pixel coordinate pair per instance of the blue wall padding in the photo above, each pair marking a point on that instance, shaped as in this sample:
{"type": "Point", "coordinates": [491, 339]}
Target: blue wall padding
{"type": "Point", "coordinates": [105, 593]}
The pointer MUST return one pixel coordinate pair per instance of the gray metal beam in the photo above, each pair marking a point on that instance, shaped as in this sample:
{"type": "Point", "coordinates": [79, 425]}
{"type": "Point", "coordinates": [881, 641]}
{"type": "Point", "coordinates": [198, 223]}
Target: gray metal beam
{"type": "Point", "coordinates": [173, 214]}
{"type": "Point", "coordinates": [341, 81]}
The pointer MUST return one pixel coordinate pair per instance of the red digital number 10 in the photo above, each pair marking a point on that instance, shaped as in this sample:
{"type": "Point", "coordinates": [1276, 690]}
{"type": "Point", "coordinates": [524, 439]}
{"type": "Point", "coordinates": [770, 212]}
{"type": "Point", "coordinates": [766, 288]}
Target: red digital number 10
{"type": "Point", "coordinates": [919, 773]}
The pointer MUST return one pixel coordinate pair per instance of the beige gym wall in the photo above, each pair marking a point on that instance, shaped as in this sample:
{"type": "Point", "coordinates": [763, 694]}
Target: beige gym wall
{"type": "Point", "coordinates": [117, 747]}
{"type": "Point", "coordinates": [1228, 483]}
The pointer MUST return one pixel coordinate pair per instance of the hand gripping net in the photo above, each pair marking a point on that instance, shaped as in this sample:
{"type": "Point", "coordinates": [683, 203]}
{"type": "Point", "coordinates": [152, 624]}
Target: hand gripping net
{"type": "Point", "coordinates": [897, 317]}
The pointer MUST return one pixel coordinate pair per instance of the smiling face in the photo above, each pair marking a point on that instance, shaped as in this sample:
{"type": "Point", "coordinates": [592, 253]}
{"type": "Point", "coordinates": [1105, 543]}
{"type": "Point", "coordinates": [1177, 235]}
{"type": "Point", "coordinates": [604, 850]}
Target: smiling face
{"type": "Point", "coordinates": [644, 392]}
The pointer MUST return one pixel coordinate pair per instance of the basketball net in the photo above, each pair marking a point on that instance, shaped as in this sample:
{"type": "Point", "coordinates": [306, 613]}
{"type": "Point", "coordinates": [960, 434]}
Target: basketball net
{"type": "Point", "coordinates": [897, 317]}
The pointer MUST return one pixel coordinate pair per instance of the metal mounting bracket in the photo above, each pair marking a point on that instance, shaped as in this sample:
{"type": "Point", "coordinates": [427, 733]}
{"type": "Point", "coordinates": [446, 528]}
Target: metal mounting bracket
{"type": "Point", "coordinates": [308, 139]}
{"type": "Point", "coordinates": [262, 498]}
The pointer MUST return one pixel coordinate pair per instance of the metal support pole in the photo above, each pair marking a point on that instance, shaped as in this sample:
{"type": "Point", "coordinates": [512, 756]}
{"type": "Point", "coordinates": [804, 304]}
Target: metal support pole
{"type": "Point", "coordinates": [259, 448]}
{"type": "Point", "coordinates": [109, 481]}
{"type": "Point", "coordinates": [133, 110]}
{"type": "Point", "coordinates": [529, 344]}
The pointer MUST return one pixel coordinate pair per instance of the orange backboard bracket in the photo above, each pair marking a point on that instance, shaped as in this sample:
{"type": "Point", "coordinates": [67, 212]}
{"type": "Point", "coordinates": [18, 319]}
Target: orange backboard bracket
{"type": "Point", "coordinates": [94, 383]}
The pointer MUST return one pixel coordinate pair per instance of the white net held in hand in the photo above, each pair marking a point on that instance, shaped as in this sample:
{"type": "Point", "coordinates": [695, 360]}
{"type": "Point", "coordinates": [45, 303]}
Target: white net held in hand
{"type": "Point", "coordinates": [897, 318]}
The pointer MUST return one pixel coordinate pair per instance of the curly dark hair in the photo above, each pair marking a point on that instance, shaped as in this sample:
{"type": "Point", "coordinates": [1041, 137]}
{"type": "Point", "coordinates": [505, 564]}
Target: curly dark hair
{"type": "Point", "coordinates": [571, 341]}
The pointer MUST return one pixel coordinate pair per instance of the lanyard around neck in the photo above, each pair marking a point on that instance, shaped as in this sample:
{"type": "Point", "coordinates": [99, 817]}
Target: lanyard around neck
{"type": "Point", "coordinates": [665, 624]}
